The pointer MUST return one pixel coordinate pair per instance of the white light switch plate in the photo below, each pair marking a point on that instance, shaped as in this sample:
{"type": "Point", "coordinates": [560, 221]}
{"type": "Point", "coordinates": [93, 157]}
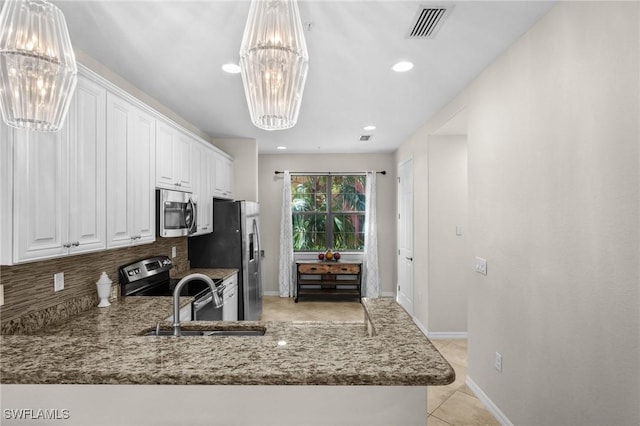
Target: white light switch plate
{"type": "Point", "coordinates": [481, 266]}
{"type": "Point", "coordinates": [173, 252]}
{"type": "Point", "coordinates": [497, 362]}
{"type": "Point", "coordinates": [1, 294]}
{"type": "Point", "coordinates": [58, 281]}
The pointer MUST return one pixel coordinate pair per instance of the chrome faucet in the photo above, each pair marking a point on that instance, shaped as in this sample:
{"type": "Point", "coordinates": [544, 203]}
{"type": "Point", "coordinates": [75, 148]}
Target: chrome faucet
{"type": "Point", "coordinates": [176, 297]}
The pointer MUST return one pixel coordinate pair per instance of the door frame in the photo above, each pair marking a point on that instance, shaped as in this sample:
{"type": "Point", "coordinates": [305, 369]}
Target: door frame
{"type": "Point", "coordinates": [405, 227]}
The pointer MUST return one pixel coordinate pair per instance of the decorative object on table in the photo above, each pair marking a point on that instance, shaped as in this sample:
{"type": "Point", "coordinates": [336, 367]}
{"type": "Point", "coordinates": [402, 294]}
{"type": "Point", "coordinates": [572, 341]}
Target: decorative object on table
{"type": "Point", "coordinates": [38, 71]}
{"type": "Point", "coordinates": [328, 255]}
{"type": "Point", "coordinates": [274, 63]}
{"type": "Point", "coordinates": [104, 290]}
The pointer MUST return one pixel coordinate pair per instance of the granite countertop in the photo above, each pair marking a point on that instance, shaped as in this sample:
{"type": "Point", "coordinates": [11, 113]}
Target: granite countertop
{"type": "Point", "coordinates": [221, 273]}
{"type": "Point", "coordinates": [103, 346]}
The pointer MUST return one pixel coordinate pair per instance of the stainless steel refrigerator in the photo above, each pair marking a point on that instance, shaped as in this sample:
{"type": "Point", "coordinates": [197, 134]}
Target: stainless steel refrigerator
{"type": "Point", "coordinates": [234, 243]}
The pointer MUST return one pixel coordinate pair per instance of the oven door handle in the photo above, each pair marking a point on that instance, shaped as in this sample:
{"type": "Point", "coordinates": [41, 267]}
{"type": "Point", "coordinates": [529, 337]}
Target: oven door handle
{"type": "Point", "coordinates": [197, 304]}
{"type": "Point", "coordinates": [200, 303]}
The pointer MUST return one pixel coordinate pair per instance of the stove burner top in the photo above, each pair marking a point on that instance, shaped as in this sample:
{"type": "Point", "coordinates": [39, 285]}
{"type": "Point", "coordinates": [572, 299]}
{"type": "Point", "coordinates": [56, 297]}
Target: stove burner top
{"type": "Point", "coordinates": [150, 277]}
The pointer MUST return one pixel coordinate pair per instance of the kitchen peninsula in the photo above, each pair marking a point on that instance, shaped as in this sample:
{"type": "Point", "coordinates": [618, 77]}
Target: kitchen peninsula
{"type": "Point", "coordinates": [298, 372]}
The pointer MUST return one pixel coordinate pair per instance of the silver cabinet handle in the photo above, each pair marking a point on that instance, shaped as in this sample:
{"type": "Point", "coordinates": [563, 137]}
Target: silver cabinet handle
{"type": "Point", "coordinates": [66, 245]}
{"type": "Point", "coordinates": [76, 244]}
{"type": "Point", "coordinates": [410, 259]}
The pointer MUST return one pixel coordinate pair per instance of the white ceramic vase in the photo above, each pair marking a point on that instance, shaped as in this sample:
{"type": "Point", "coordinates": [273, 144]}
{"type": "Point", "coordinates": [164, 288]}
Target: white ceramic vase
{"type": "Point", "coordinates": [104, 290]}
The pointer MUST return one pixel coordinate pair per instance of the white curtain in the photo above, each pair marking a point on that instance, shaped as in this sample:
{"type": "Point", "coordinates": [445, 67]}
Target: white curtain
{"type": "Point", "coordinates": [286, 280]}
{"type": "Point", "coordinates": [371, 273]}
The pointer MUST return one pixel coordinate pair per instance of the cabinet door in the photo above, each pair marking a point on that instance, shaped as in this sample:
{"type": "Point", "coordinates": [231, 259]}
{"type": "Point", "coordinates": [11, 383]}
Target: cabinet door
{"type": "Point", "coordinates": [87, 161]}
{"type": "Point", "coordinates": [197, 195]}
{"type": "Point", "coordinates": [165, 173]}
{"type": "Point", "coordinates": [143, 173]}
{"type": "Point", "coordinates": [223, 177]}
{"type": "Point", "coordinates": [202, 162]}
{"type": "Point", "coordinates": [182, 161]}
{"type": "Point", "coordinates": [41, 208]}
{"type": "Point", "coordinates": [6, 194]}
{"type": "Point", "coordinates": [119, 197]}
{"type": "Point", "coordinates": [230, 309]}
{"type": "Point", "coordinates": [207, 168]}
{"type": "Point", "coordinates": [131, 134]}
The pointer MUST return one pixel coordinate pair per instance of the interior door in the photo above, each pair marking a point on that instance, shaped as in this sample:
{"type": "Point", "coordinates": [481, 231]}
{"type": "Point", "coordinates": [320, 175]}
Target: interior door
{"type": "Point", "coordinates": [404, 294]}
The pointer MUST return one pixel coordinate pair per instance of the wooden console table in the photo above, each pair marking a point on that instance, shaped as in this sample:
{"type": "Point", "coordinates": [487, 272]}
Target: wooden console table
{"type": "Point", "coordinates": [329, 279]}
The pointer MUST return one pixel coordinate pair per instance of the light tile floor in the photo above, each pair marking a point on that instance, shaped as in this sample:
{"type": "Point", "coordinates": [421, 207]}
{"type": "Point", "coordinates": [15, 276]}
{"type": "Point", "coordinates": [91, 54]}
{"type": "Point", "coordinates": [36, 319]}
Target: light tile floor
{"type": "Point", "coordinates": [455, 404]}
{"type": "Point", "coordinates": [451, 405]}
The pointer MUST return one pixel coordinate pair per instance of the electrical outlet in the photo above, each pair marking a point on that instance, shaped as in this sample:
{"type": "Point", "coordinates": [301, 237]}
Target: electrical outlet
{"type": "Point", "coordinates": [481, 266]}
{"type": "Point", "coordinates": [497, 362]}
{"type": "Point", "coordinates": [173, 252]}
{"type": "Point", "coordinates": [58, 281]}
{"type": "Point", "coordinates": [1, 294]}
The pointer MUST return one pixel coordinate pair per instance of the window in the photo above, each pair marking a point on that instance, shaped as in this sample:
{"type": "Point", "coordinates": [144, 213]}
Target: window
{"type": "Point", "coordinates": [328, 212]}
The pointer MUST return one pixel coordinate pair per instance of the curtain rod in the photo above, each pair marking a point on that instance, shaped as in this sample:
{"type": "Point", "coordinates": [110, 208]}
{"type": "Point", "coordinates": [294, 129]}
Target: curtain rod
{"type": "Point", "coordinates": [383, 172]}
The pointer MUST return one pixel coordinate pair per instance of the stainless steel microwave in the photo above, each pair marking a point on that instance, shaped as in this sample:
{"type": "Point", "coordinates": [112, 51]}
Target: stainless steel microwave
{"type": "Point", "coordinates": [176, 213]}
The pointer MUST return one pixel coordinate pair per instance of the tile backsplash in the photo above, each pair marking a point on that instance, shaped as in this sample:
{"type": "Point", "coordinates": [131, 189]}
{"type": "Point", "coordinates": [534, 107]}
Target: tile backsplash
{"type": "Point", "coordinates": [28, 288]}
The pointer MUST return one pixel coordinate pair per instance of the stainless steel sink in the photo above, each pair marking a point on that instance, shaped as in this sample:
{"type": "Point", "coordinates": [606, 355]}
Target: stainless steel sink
{"type": "Point", "coordinates": [209, 332]}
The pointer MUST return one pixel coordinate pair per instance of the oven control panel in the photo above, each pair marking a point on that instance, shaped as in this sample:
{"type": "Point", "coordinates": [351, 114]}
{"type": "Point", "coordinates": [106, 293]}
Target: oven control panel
{"type": "Point", "coordinates": [145, 268]}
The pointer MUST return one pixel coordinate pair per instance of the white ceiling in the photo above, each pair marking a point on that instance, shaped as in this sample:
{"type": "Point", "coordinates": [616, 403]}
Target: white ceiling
{"type": "Point", "coordinates": [173, 51]}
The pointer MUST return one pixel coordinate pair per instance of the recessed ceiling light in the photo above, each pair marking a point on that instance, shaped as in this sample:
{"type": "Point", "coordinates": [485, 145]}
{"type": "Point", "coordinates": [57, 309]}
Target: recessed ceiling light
{"type": "Point", "coordinates": [281, 147]}
{"type": "Point", "coordinates": [402, 66]}
{"type": "Point", "coordinates": [369, 127]}
{"type": "Point", "coordinates": [231, 68]}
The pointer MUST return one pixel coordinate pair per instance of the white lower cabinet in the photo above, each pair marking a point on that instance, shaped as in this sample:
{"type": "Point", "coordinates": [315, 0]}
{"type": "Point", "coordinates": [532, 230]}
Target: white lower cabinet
{"type": "Point", "coordinates": [131, 135]}
{"type": "Point", "coordinates": [230, 307]}
{"type": "Point", "coordinates": [59, 182]}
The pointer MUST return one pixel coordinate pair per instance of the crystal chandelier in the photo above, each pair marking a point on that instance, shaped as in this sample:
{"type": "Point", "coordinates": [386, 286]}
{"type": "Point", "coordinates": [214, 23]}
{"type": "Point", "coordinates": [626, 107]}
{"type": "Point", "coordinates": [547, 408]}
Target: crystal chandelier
{"type": "Point", "coordinates": [38, 71]}
{"type": "Point", "coordinates": [274, 63]}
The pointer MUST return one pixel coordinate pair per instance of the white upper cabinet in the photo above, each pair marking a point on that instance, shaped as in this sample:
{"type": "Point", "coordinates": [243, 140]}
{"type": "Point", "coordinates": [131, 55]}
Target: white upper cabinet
{"type": "Point", "coordinates": [202, 171]}
{"type": "Point", "coordinates": [223, 179]}
{"type": "Point", "coordinates": [59, 182]}
{"type": "Point", "coordinates": [92, 186]}
{"type": "Point", "coordinates": [173, 158]}
{"type": "Point", "coordinates": [131, 136]}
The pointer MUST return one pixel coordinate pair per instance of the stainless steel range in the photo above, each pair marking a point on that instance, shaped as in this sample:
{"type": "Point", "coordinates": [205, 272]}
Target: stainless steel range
{"type": "Point", "coordinates": [150, 277]}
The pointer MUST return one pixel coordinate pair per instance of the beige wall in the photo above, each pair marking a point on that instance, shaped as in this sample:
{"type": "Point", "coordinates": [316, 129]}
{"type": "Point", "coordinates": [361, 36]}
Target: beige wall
{"type": "Point", "coordinates": [417, 149]}
{"type": "Point", "coordinates": [245, 166]}
{"type": "Point", "coordinates": [271, 203]}
{"type": "Point", "coordinates": [449, 255]}
{"type": "Point", "coordinates": [553, 152]}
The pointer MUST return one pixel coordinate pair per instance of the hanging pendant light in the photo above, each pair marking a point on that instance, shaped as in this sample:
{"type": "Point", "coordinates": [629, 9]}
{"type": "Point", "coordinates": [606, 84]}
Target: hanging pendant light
{"type": "Point", "coordinates": [38, 70]}
{"type": "Point", "coordinates": [274, 63]}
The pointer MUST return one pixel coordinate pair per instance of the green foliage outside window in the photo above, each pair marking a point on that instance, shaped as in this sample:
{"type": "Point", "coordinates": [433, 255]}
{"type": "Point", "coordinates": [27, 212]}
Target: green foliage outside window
{"type": "Point", "coordinates": [328, 212]}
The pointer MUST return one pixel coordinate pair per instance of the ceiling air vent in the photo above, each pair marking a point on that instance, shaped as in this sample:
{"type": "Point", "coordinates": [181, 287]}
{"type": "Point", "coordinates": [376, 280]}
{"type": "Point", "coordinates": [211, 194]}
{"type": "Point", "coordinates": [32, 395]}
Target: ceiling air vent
{"type": "Point", "coordinates": [365, 138]}
{"type": "Point", "coordinates": [428, 21]}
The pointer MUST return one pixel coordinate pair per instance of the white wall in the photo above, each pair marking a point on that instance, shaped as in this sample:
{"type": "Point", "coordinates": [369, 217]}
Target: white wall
{"type": "Point", "coordinates": [553, 152]}
{"type": "Point", "coordinates": [271, 203]}
{"type": "Point", "coordinates": [449, 255]}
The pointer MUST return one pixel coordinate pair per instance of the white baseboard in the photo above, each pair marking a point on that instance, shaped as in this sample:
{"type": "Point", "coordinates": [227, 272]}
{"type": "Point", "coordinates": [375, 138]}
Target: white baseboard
{"type": "Point", "coordinates": [277, 293]}
{"type": "Point", "coordinates": [449, 335]}
{"type": "Point", "coordinates": [490, 406]}
{"type": "Point", "coordinates": [440, 334]}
